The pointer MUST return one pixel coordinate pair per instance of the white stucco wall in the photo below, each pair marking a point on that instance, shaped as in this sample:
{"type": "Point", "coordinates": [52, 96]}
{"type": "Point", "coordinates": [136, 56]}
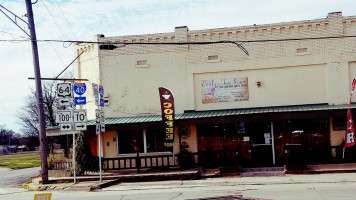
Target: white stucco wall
{"type": "Point", "coordinates": [290, 72]}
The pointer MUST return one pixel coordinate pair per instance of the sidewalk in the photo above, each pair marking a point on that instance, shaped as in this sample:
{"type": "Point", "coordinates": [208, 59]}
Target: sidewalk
{"type": "Point", "coordinates": [326, 169]}
{"type": "Point", "coordinates": [90, 183]}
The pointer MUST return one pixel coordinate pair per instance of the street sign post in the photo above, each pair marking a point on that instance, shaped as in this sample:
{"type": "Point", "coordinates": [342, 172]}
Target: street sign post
{"type": "Point", "coordinates": [64, 101]}
{"type": "Point", "coordinates": [101, 91]}
{"type": "Point", "coordinates": [80, 126]}
{"type": "Point", "coordinates": [65, 126]}
{"type": "Point", "coordinates": [102, 127]}
{"type": "Point", "coordinates": [79, 88]}
{"type": "Point", "coordinates": [80, 115]}
{"type": "Point", "coordinates": [80, 100]}
{"type": "Point", "coordinates": [102, 118]}
{"type": "Point", "coordinates": [97, 115]}
{"type": "Point", "coordinates": [64, 90]}
{"type": "Point", "coordinates": [95, 89]}
{"type": "Point", "coordinates": [97, 128]}
{"type": "Point", "coordinates": [64, 116]}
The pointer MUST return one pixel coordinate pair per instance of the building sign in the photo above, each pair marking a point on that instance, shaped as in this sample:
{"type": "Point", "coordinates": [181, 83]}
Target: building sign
{"type": "Point", "coordinates": [167, 106]}
{"type": "Point", "coordinates": [225, 90]}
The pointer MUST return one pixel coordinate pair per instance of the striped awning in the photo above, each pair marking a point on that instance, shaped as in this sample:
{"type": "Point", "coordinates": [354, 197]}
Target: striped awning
{"type": "Point", "coordinates": [222, 113]}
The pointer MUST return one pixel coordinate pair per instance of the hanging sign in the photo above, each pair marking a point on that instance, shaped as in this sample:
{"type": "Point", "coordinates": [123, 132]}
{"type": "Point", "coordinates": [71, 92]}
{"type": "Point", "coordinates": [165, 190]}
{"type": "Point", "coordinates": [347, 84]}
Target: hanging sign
{"type": "Point", "coordinates": [167, 107]}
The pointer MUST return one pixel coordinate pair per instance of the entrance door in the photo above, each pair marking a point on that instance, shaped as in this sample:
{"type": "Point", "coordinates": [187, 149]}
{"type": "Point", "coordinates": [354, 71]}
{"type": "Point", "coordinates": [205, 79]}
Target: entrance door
{"type": "Point", "coordinates": [261, 143]}
{"type": "Point", "coordinates": [217, 145]}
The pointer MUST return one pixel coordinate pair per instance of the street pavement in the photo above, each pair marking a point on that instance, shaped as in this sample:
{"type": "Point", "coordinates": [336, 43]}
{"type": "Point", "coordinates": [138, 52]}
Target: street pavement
{"type": "Point", "coordinates": [10, 179]}
{"type": "Point", "coordinates": [321, 186]}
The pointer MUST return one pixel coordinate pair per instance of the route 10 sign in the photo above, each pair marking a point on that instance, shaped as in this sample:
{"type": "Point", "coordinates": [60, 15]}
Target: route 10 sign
{"type": "Point", "coordinates": [79, 88]}
{"type": "Point", "coordinates": [80, 115]}
{"type": "Point", "coordinates": [64, 90]}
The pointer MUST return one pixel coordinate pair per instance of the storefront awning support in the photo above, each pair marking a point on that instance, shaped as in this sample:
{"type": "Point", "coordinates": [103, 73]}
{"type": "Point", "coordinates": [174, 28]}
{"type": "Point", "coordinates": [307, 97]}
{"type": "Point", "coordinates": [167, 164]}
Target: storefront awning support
{"type": "Point", "coordinates": [273, 151]}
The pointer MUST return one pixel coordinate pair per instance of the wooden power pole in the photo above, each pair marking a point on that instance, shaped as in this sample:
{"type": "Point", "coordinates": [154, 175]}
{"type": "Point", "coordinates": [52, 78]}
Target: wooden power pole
{"type": "Point", "coordinates": [41, 119]}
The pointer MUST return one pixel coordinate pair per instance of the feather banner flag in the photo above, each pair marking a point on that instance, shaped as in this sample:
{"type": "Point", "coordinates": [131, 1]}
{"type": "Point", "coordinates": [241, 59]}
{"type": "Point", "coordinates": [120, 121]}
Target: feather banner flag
{"type": "Point", "coordinates": [350, 139]}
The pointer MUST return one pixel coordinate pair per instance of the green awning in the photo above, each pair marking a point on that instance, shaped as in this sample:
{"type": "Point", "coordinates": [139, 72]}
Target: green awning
{"type": "Point", "coordinates": [222, 113]}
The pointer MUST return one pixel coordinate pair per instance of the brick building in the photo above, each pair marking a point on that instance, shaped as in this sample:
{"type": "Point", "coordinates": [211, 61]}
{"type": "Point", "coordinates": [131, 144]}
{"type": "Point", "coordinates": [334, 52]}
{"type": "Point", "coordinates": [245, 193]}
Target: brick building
{"type": "Point", "coordinates": [283, 101]}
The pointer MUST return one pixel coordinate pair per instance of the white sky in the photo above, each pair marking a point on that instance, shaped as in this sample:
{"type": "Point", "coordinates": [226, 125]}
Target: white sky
{"type": "Point", "coordinates": [82, 19]}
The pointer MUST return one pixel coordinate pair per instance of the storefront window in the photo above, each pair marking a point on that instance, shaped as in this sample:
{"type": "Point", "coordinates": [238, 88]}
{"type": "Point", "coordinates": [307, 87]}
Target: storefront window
{"type": "Point", "coordinates": [129, 140]}
{"type": "Point", "coordinates": [155, 140]}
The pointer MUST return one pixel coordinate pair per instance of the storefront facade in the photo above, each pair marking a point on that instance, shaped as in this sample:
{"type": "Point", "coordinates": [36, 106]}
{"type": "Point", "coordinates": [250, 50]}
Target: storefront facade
{"type": "Point", "coordinates": [281, 98]}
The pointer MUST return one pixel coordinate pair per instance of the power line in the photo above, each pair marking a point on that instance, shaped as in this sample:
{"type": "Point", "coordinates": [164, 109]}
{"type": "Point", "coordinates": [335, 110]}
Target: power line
{"type": "Point", "coordinates": [58, 26]}
{"type": "Point", "coordinates": [66, 19]}
{"type": "Point", "coordinates": [185, 43]}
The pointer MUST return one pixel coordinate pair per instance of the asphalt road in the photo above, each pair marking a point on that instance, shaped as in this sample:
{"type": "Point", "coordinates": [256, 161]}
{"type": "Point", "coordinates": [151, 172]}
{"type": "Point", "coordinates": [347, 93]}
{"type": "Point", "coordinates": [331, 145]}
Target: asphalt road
{"type": "Point", "coordinates": [290, 187]}
{"type": "Point", "coordinates": [12, 177]}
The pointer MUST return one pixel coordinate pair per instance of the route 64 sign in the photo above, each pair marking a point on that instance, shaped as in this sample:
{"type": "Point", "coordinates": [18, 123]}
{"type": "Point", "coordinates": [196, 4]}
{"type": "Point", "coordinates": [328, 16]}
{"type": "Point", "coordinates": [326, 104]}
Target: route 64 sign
{"type": "Point", "coordinates": [79, 88]}
{"type": "Point", "coordinates": [64, 90]}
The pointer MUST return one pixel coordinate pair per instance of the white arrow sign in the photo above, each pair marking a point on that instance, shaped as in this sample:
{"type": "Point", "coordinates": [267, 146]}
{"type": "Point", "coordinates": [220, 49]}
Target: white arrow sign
{"type": "Point", "coordinates": [66, 126]}
{"type": "Point", "coordinates": [102, 127]}
{"type": "Point", "coordinates": [64, 101]}
{"type": "Point", "coordinates": [82, 126]}
{"type": "Point", "coordinates": [97, 128]}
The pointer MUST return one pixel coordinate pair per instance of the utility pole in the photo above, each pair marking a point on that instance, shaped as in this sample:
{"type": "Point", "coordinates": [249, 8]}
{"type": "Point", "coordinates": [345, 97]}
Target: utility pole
{"type": "Point", "coordinates": [41, 119]}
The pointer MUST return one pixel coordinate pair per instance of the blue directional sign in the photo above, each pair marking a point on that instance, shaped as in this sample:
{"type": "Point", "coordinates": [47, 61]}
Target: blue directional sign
{"type": "Point", "coordinates": [79, 88]}
{"type": "Point", "coordinates": [101, 91]}
{"type": "Point", "coordinates": [102, 102]}
{"type": "Point", "coordinates": [80, 100]}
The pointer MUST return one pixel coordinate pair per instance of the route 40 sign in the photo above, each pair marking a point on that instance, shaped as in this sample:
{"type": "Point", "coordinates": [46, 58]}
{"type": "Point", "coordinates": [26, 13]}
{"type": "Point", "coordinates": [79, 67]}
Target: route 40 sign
{"type": "Point", "coordinates": [79, 88]}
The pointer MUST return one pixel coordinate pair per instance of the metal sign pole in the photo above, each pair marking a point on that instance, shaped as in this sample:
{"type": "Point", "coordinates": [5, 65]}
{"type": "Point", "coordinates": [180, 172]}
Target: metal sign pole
{"type": "Point", "coordinates": [100, 170]}
{"type": "Point", "coordinates": [74, 170]}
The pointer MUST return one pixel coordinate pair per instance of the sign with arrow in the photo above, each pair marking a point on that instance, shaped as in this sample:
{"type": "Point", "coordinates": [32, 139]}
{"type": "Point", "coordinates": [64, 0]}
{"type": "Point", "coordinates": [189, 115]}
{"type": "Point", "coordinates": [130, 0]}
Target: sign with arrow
{"type": "Point", "coordinates": [66, 126]}
{"type": "Point", "coordinates": [64, 101]}
{"type": "Point", "coordinates": [101, 91]}
{"type": "Point", "coordinates": [80, 100]}
{"type": "Point", "coordinates": [97, 128]}
{"type": "Point", "coordinates": [102, 127]}
{"type": "Point", "coordinates": [82, 126]}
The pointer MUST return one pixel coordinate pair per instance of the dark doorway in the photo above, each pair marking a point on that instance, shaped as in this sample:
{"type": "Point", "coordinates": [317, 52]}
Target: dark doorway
{"type": "Point", "coordinates": [217, 145]}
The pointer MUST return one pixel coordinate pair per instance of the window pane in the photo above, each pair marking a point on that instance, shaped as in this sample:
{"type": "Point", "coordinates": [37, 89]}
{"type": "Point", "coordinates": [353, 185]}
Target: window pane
{"type": "Point", "coordinates": [128, 140]}
{"type": "Point", "coordinates": [155, 139]}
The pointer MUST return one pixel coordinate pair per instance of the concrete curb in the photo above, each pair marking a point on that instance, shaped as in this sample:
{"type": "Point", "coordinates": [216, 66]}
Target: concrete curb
{"type": "Point", "coordinates": [91, 183]}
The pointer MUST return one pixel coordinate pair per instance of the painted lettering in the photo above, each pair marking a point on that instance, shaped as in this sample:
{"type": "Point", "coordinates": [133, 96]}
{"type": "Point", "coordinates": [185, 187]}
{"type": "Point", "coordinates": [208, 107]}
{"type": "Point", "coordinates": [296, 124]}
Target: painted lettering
{"type": "Point", "coordinates": [167, 105]}
{"type": "Point", "coordinates": [169, 117]}
{"type": "Point", "coordinates": [168, 111]}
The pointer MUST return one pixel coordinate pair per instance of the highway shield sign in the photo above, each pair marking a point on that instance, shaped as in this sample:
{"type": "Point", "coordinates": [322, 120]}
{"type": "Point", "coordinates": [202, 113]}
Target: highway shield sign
{"type": "Point", "coordinates": [79, 88]}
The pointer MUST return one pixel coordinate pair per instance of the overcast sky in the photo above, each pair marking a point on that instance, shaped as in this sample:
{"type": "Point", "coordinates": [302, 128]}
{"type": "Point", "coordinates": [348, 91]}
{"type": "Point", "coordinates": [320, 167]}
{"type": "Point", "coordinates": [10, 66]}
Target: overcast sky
{"type": "Point", "coordinates": [82, 19]}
